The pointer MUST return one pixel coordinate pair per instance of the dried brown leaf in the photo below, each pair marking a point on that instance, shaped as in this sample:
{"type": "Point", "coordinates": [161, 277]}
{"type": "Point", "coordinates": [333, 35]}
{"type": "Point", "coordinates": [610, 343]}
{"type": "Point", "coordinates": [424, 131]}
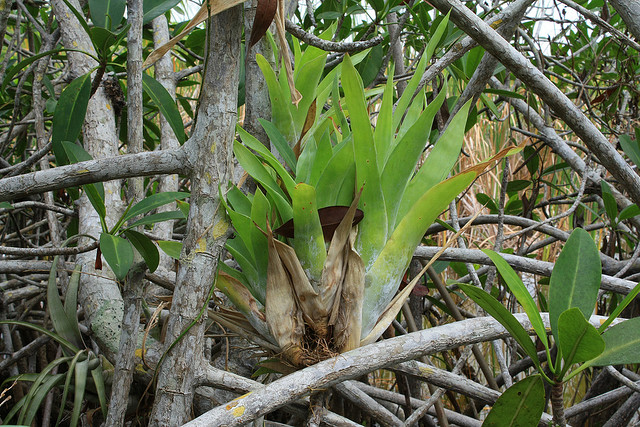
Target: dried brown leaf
{"type": "Point", "coordinates": [265, 12]}
{"type": "Point", "coordinates": [308, 123]}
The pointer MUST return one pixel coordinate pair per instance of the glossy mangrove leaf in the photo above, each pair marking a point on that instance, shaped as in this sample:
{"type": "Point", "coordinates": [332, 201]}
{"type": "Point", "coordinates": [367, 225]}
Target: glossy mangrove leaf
{"type": "Point", "coordinates": [145, 247]}
{"type": "Point", "coordinates": [520, 405]}
{"type": "Point", "coordinates": [166, 104]}
{"type": "Point", "coordinates": [171, 248]}
{"type": "Point", "coordinates": [154, 201]}
{"type": "Point", "coordinates": [504, 316]}
{"type": "Point", "coordinates": [631, 148]}
{"type": "Point", "coordinates": [622, 344]}
{"type": "Point", "coordinates": [578, 340]}
{"type": "Point", "coordinates": [69, 115]}
{"type": "Point", "coordinates": [621, 306]}
{"type": "Point", "coordinates": [372, 233]}
{"type": "Point", "coordinates": [158, 217]}
{"type": "Point", "coordinates": [118, 253]}
{"type": "Point", "coordinates": [575, 279]}
{"type": "Point", "coordinates": [107, 13]}
{"type": "Point", "coordinates": [521, 293]}
{"type": "Point", "coordinates": [154, 8]}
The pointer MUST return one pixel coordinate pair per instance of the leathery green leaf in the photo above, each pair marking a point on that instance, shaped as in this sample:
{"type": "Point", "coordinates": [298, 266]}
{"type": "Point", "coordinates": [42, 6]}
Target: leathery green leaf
{"type": "Point", "coordinates": [166, 104]}
{"type": "Point", "coordinates": [439, 161]}
{"type": "Point", "coordinates": [521, 293]}
{"type": "Point", "coordinates": [69, 115]}
{"type": "Point", "coordinates": [65, 326]}
{"type": "Point", "coordinates": [339, 173]}
{"type": "Point", "coordinates": [260, 215]}
{"type": "Point", "coordinates": [383, 277]}
{"type": "Point", "coordinates": [82, 369]}
{"type": "Point", "coordinates": [383, 133]}
{"type": "Point", "coordinates": [496, 310]}
{"type": "Point", "coordinates": [118, 253]}
{"type": "Point", "coordinates": [145, 247]}
{"type": "Point", "coordinates": [373, 228]}
{"type": "Point", "coordinates": [622, 344]}
{"type": "Point", "coordinates": [279, 106]}
{"type": "Point", "coordinates": [575, 279]}
{"type": "Point", "coordinates": [309, 240]}
{"type": "Point", "coordinates": [154, 201]}
{"type": "Point", "coordinates": [307, 76]}
{"type": "Point", "coordinates": [578, 340]}
{"type": "Point", "coordinates": [521, 404]}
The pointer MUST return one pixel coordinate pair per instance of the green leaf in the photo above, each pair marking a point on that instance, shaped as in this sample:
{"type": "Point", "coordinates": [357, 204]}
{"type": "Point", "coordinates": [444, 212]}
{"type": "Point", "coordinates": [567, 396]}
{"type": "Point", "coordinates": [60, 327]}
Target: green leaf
{"type": "Point", "coordinates": [520, 405]}
{"type": "Point", "coordinates": [372, 233]}
{"type": "Point", "coordinates": [506, 319]}
{"type": "Point", "coordinates": [280, 144]}
{"type": "Point", "coordinates": [101, 389]}
{"type": "Point", "coordinates": [6, 205]}
{"type": "Point", "coordinates": [171, 248]}
{"type": "Point", "coordinates": [321, 158]}
{"type": "Point", "coordinates": [145, 247]}
{"type": "Point", "coordinates": [38, 396]}
{"type": "Point", "coordinates": [438, 164]}
{"type": "Point", "coordinates": [521, 293]}
{"type": "Point", "coordinates": [384, 276]}
{"type": "Point", "coordinates": [281, 113]}
{"type": "Point", "coordinates": [623, 304]}
{"type": "Point", "coordinates": [339, 174]}
{"type": "Point", "coordinates": [436, 37]}
{"type": "Point", "coordinates": [578, 340]}
{"type": "Point", "coordinates": [629, 212]}
{"type": "Point", "coordinates": [307, 76]}
{"type": "Point", "coordinates": [274, 134]}
{"type": "Point", "coordinates": [383, 134]}
{"type": "Point", "coordinates": [81, 371]}
{"type": "Point", "coordinates": [622, 344]}
{"type": "Point", "coordinates": [405, 156]}
{"type": "Point", "coordinates": [610, 205]}
{"type": "Point", "coordinates": [308, 239]}
{"type": "Point", "coordinates": [95, 194]}
{"type": "Point", "coordinates": [59, 339]}
{"type": "Point", "coordinates": [107, 13]}
{"type": "Point", "coordinates": [575, 279]}
{"type": "Point", "coordinates": [154, 8]}
{"type": "Point", "coordinates": [255, 168]}
{"type": "Point", "coordinates": [158, 217]}
{"type": "Point", "coordinates": [65, 326]}
{"type": "Point", "coordinates": [631, 148]}
{"type": "Point", "coordinates": [71, 301]}
{"type": "Point", "coordinates": [154, 201]}
{"type": "Point", "coordinates": [69, 115]}
{"type": "Point", "coordinates": [11, 72]}
{"type": "Point", "coordinates": [118, 253]}
{"type": "Point", "coordinates": [165, 103]}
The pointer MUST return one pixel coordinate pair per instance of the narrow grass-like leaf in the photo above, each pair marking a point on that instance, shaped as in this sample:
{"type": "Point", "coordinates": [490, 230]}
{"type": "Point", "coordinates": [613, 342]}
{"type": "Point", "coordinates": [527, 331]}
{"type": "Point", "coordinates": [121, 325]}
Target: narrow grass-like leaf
{"type": "Point", "coordinates": [67, 384]}
{"type": "Point", "coordinates": [521, 293]}
{"type": "Point", "coordinates": [521, 404]}
{"type": "Point", "coordinates": [621, 306]}
{"type": "Point", "coordinates": [59, 339]}
{"type": "Point", "coordinates": [575, 279]}
{"type": "Point", "coordinates": [65, 326]}
{"type": "Point", "coordinates": [578, 340]}
{"type": "Point", "coordinates": [11, 72]}
{"type": "Point", "coordinates": [145, 247]}
{"type": "Point", "coordinates": [280, 144]}
{"type": "Point", "coordinates": [504, 316]}
{"type": "Point", "coordinates": [118, 253]}
{"type": "Point", "coordinates": [373, 228]}
{"type": "Point", "coordinates": [165, 104]}
{"type": "Point", "coordinates": [82, 369]}
{"type": "Point", "coordinates": [101, 389]}
{"type": "Point", "coordinates": [38, 396]}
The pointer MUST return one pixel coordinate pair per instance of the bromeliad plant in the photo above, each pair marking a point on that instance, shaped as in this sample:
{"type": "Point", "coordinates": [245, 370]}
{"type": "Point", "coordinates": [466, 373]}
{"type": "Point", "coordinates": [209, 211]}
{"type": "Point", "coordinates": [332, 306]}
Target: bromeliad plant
{"type": "Point", "coordinates": [573, 292]}
{"type": "Point", "coordinates": [326, 292]}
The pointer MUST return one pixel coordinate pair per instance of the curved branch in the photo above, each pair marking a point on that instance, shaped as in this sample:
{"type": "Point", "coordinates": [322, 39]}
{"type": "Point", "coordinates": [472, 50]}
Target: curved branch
{"type": "Point", "coordinates": [329, 45]}
{"type": "Point", "coordinates": [356, 363]}
{"type": "Point", "coordinates": [107, 169]}
{"type": "Point", "coordinates": [546, 90]}
{"type": "Point", "coordinates": [519, 263]}
{"type": "Point", "coordinates": [6, 250]}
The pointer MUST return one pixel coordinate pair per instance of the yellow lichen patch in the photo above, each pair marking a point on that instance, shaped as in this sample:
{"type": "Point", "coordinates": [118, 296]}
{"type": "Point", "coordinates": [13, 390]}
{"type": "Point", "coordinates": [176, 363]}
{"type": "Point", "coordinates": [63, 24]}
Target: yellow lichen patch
{"type": "Point", "coordinates": [83, 171]}
{"type": "Point", "coordinates": [108, 106]}
{"type": "Point", "coordinates": [219, 229]}
{"type": "Point", "coordinates": [238, 411]}
{"type": "Point", "coordinates": [496, 24]}
{"type": "Point", "coordinates": [139, 352]}
{"type": "Point", "coordinates": [202, 245]}
{"type": "Point", "coordinates": [425, 370]}
{"type": "Point", "coordinates": [213, 147]}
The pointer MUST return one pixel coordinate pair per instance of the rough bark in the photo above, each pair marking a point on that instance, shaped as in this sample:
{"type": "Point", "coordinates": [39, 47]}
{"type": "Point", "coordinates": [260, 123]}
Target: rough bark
{"type": "Point", "coordinates": [629, 11]}
{"type": "Point", "coordinates": [207, 228]}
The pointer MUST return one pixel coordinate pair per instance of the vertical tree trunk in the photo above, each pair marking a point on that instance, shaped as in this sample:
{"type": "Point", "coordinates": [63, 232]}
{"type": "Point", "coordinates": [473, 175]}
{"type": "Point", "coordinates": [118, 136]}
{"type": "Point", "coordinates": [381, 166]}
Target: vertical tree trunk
{"type": "Point", "coordinates": [210, 150]}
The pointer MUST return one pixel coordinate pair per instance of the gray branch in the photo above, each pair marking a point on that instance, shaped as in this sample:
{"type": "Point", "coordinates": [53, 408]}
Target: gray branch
{"type": "Point", "coordinates": [330, 46]}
